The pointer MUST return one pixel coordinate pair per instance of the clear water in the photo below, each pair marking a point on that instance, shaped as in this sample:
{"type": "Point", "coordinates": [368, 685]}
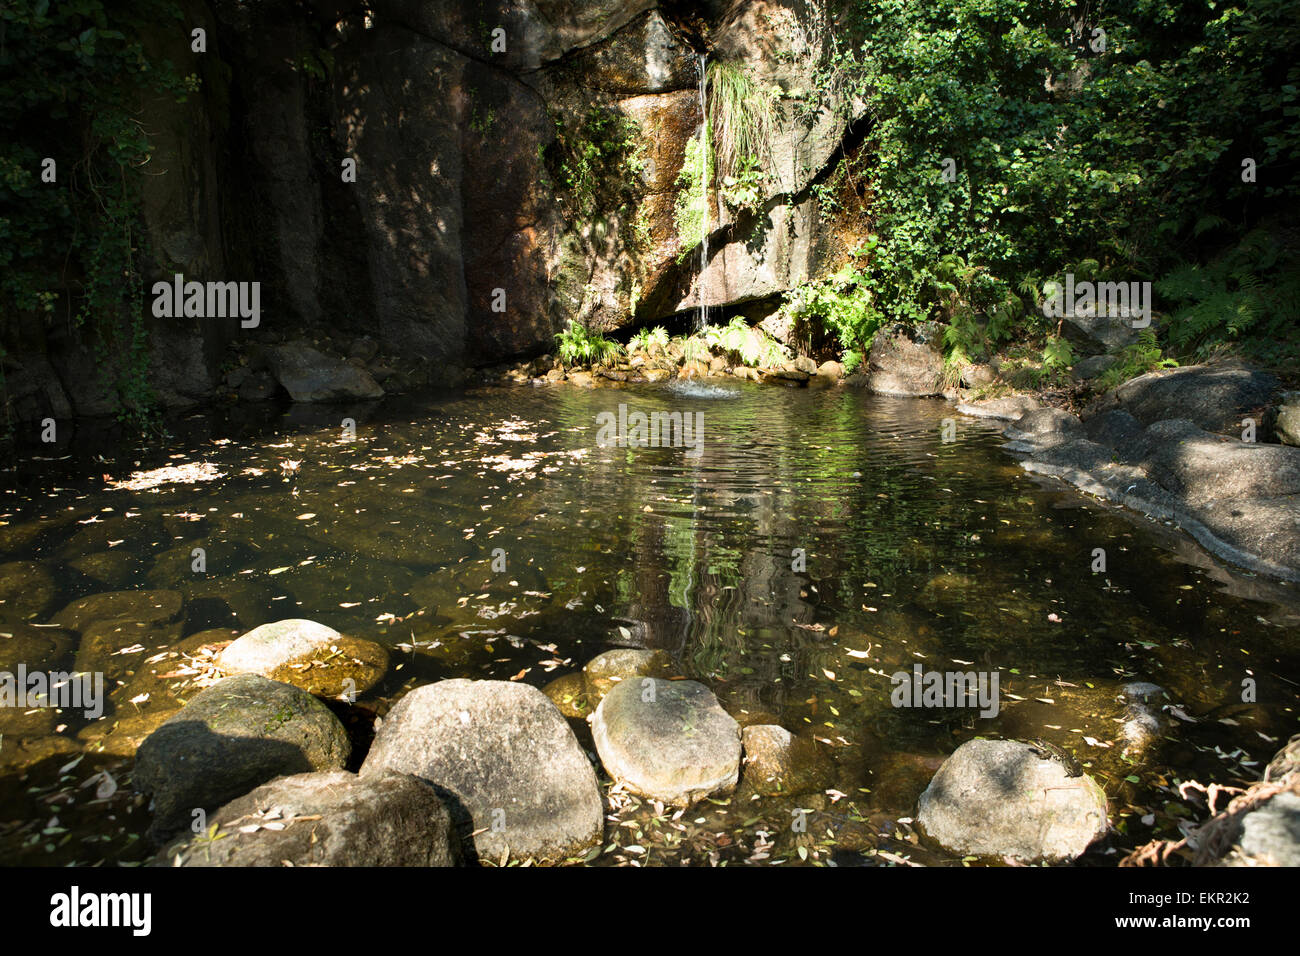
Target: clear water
{"type": "Point", "coordinates": [913, 550]}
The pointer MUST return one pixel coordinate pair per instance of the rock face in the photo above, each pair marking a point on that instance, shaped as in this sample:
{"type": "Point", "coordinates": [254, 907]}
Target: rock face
{"type": "Point", "coordinates": [1216, 398]}
{"type": "Point", "coordinates": [460, 194]}
{"type": "Point", "coordinates": [667, 740]}
{"type": "Point", "coordinates": [310, 376]}
{"type": "Point", "coordinates": [905, 363]}
{"type": "Point", "coordinates": [997, 798]}
{"type": "Point", "coordinates": [328, 819]}
{"type": "Point", "coordinates": [1238, 499]}
{"type": "Point", "coordinates": [505, 762]}
{"type": "Point", "coordinates": [230, 738]}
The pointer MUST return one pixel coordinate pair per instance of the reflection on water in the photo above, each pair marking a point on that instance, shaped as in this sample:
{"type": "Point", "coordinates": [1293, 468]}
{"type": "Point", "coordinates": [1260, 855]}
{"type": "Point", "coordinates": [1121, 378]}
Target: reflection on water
{"type": "Point", "coordinates": [823, 540]}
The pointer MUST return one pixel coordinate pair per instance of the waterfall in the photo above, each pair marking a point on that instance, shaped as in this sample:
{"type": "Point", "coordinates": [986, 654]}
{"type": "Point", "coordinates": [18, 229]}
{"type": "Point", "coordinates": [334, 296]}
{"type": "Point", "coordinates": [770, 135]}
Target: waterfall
{"type": "Point", "coordinates": [704, 190]}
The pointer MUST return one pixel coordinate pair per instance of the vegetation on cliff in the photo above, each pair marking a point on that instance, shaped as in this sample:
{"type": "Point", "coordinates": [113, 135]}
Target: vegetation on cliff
{"type": "Point", "coordinates": [73, 80]}
{"type": "Point", "coordinates": [1014, 141]}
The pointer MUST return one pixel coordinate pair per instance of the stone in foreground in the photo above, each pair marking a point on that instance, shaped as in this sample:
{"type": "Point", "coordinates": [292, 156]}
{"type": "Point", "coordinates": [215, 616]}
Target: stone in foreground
{"type": "Point", "coordinates": [232, 737]}
{"type": "Point", "coordinates": [328, 819]}
{"type": "Point", "coordinates": [998, 798]}
{"type": "Point", "coordinates": [667, 740]}
{"type": "Point", "coordinates": [505, 762]}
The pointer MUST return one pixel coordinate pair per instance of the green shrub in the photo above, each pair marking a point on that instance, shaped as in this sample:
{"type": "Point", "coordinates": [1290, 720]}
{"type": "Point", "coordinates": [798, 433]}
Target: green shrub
{"type": "Point", "coordinates": [581, 347]}
{"type": "Point", "coordinates": [1141, 357]}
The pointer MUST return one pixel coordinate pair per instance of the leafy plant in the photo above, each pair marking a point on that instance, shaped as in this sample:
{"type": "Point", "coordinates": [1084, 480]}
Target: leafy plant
{"type": "Point", "coordinates": [1129, 158]}
{"type": "Point", "coordinates": [696, 349]}
{"type": "Point", "coordinates": [578, 346]}
{"type": "Point", "coordinates": [845, 304]}
{"type": "Point", "coordinates": [1141, 357]}
{"type": "Point", "coordinates": [596, 161]}
{"type": "Point", "coordinates": [691, 207]}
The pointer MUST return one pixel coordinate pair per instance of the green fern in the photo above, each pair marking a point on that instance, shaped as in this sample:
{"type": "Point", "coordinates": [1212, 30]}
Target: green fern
{"type": "Point", "coordinates": [578, 346]}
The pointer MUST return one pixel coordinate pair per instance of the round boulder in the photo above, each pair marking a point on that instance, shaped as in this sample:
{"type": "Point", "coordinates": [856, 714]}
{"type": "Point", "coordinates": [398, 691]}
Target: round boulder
{"type": "Point", "coordinates": [1002, 798]}
{"type": "Point", "coordinates": [265, 648]}
{"type": "Point", "coordinates": [667, 740]}
{"type": "Point", "coordinates": [230, 738]}
{"type": "Point", "coordinates": [505, 762]}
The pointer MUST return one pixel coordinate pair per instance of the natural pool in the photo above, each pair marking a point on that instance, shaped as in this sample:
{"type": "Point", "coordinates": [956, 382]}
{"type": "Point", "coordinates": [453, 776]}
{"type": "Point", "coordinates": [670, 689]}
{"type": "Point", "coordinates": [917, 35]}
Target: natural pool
{"type": "Point", "coordinates": [821, 541]}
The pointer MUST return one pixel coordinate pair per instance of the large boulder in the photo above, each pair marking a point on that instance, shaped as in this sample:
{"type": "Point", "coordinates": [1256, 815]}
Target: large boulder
{"type": "Point", "coordinates": [905, 363]}
{"type": "Point", "coordinates": [667, 740]}
{"type": "Point", "coordinates": [327, 819]}
{"type": "Point", "coordinates": [309, 655]}
{"type": "Point", "coordinates": [230, 738]}
{"type": "Point", "coordinates": [1215, 397]}
{"type": "Point", "coordinates": [504, 760]}
{"type": "Point", "coordinates": [1000, 798]}
{"type": "Point", "coordinates": [311, 376]}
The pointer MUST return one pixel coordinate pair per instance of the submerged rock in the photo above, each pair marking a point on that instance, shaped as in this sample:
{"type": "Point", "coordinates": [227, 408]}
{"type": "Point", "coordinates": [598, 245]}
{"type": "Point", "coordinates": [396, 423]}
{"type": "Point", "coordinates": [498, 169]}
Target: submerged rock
{"type": "Point", "coordinates": [504, 760]}
{"type": "Point", "coordinates": [26, 590]}
{"type": "Point", "coordinates": [1143, 722]}
{"type": "Point", "coordinates": [778, 762]}
{"type": "Point", "coordinates": [667, 740]}
{"type": "Point", "coordinates": [139, 607]}
{"type": "Point", "coordinates": [232, 737]}
{"type": "Point", "coordinates": [999, 798]}
{"type": "Point", "coordinates": [569, 694]}
{"type": "Point", "coordinates": [328, 819]}
{"type": "Point", "coordinates": [606, 670]}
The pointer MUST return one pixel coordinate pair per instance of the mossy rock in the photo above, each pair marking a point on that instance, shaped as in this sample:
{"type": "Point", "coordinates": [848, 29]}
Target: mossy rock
{"type": "Point", "coordinates": [345, 669]}
{"type": "Point", "coordinates": [569, 694]}
{"type": "Point", "coordinates": [230, 738]}
{"type": "Point", "coordinates": [605, 670]}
